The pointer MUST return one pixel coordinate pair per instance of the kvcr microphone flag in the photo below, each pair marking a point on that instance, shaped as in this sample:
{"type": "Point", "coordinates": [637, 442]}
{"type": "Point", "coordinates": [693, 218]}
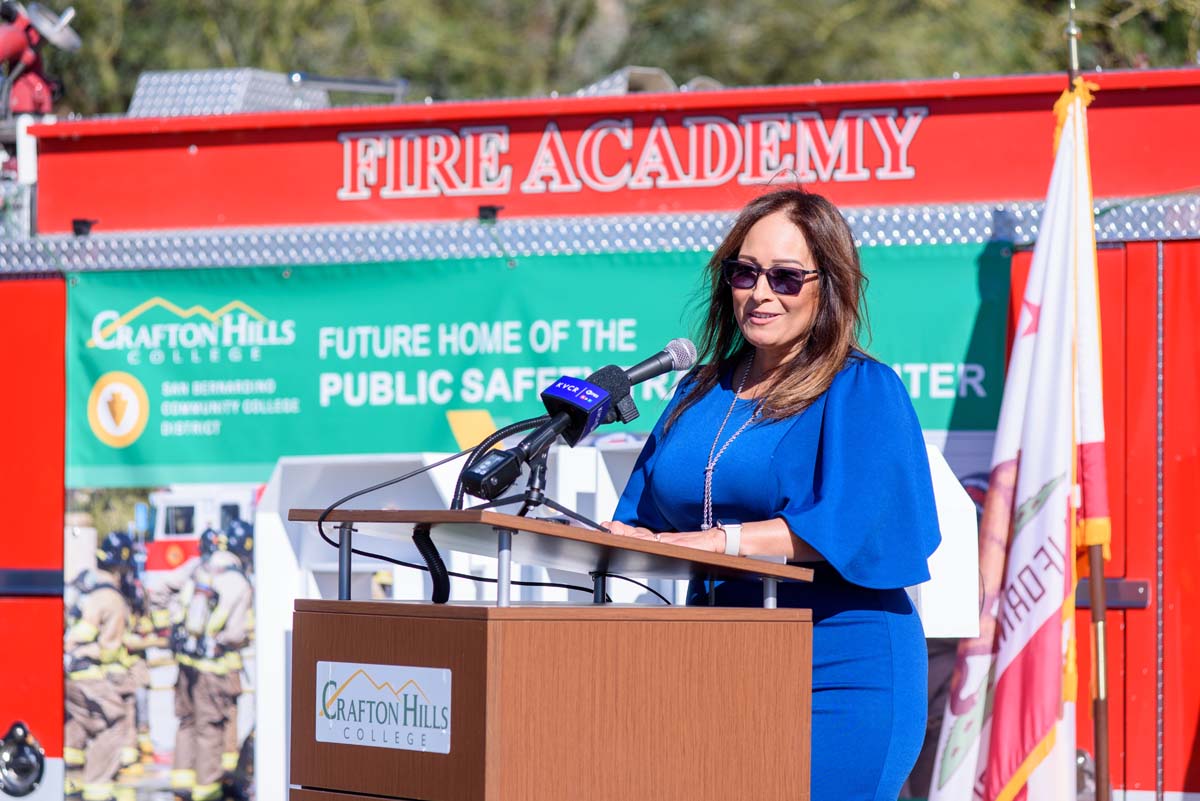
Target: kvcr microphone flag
{"type": "Point", "coordinates": [585, 403]}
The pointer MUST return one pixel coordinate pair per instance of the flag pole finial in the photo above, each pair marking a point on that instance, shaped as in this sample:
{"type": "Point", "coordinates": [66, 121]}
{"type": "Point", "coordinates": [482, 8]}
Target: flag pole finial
{"type": "Point", "coordinates": [1073, 33]}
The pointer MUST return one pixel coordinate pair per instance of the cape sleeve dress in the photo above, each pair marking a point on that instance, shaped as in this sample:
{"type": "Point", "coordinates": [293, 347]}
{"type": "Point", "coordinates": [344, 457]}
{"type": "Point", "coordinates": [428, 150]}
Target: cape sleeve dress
{"type": "Point", "coordinates": [850, 476]}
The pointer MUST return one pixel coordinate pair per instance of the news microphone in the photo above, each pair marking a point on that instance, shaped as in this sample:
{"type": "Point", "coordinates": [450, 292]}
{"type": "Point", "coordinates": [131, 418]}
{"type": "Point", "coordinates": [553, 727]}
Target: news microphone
{"type": "Point", "coordinates": [679, 354]}
{"type": "Point", "coordinates": [576, 407]}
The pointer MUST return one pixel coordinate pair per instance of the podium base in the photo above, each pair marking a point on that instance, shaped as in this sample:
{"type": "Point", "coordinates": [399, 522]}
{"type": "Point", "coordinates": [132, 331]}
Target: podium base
{"type": "Point", "coordinates": [567, 703]}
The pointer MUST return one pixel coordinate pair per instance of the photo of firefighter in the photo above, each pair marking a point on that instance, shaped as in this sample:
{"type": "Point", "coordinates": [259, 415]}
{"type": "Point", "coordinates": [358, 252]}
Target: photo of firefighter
{"type": "Point", "coordinates": [158, 644]}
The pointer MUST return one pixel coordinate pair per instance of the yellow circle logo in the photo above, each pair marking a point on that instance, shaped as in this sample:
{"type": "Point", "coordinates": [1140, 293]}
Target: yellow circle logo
{"type": "Point", "coordinates": [174, 556]}
{"type": "Point", "coordinates": [118, 409]}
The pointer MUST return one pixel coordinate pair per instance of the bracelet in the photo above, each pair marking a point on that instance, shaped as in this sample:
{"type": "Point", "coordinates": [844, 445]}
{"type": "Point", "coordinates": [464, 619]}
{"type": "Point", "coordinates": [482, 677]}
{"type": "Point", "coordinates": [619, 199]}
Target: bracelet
{"type": "Point", "coordinates": [733, 537]}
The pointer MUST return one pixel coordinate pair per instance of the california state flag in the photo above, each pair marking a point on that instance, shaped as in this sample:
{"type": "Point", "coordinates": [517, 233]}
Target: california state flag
{"type": "Point", "coordinates": [1009, 729]}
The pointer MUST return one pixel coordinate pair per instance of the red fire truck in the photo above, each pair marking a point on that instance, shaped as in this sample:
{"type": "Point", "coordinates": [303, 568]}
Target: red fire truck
{"type": "Point", "coordinates": [963, 160]}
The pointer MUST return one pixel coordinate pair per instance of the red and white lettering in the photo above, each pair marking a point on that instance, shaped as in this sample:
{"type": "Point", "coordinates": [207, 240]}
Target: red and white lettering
{"type": "Point", "coordinates": [361, 153]}
{"type": "Point", "coordinates": [421, 164]}
{"type": "Point", "coordinates": [551, 166]}
{"type": "Point", "coordinates": [837, 155]}
{"type": "Point", "coordinates": [764, 135]}
{"type": "Point", "coordinates": [754, 148]}
{"type": "Point", "coordinates": [658, 165]}
{"type": "Point", "coordinates": [590, 159]}
{"type": "Point", "coordinates": [714, 150]}
{"type": "Point", "coordinates": [894, 141]}
{"type": "Point", "coordinates": [484, 145]}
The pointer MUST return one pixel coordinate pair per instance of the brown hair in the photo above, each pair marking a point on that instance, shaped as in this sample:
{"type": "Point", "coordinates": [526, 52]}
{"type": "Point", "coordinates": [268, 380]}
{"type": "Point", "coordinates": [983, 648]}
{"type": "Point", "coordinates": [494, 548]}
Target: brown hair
{"type": "Point", "coordinates": [834, 331]}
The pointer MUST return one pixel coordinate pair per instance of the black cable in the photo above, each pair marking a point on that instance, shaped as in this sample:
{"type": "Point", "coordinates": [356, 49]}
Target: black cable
{"type": "Point", "coordinates": [418, 471]}
{"type": "Point", "coordinates": [433, 561]}
{"type": "Point", "coordinates": [481, 579]}
{"type": "Point", "coordinates": [646, 587]}
{"type": "Point", "coordinates": [380, 486]}
{"type": "Point", "coordinates": [436, 567]}
{"type": "Point", "coordinates": [479, 450]}
{"type": "Point", "coordinates": [456, 500]}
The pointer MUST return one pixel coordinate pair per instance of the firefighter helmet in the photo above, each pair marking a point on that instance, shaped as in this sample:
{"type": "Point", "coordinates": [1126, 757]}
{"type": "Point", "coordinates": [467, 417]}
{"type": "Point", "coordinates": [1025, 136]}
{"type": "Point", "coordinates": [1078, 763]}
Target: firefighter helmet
{"type": "Point", "coordinates": [210, 541]}
{"type": "Point", "coordinates": [239, 539]}
{"type": "Point", "coordinates": [115, 552]}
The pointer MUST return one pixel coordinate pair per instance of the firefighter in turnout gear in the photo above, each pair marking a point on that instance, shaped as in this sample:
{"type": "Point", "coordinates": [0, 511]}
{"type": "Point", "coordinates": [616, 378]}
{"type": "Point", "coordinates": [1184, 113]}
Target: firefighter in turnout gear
{"type": "Point", "coordinates": [166, 614]}
{"type": "Point", "coordinates": [140, 634]}
{"type": "Point", "coordinates": [215, 606]}
{"type": "Point", "coordinates": [239, 541]}
{"type": "Point", "coordinates": [170, 600]}
{"type": "Point", "coordinates": [167, 588]}
{"type": "Point", "coordinates": [97, 719]}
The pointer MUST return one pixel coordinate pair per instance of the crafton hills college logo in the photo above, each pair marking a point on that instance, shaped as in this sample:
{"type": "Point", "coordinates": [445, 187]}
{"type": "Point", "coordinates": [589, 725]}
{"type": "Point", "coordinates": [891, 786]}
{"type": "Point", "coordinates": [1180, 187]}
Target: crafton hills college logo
{"type": "Point", "coordinates": [384, 706]}
{"type": "Point", "coordinates": [118, 409]}
{"type": "Point", "coordinates": [164, 332]}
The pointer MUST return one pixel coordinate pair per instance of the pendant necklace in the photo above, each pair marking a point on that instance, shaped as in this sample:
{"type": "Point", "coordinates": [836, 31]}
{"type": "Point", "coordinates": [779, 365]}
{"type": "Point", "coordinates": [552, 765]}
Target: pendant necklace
{"type": "Point", "coordinates": [714, 455]}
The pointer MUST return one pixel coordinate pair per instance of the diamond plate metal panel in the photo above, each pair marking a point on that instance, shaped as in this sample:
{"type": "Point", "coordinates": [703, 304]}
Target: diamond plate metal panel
{"type": "Point", "coordinates": [630, 79]}
{"type": "Point", "coordinates": [616, 83]}
{"type": "Point", "coordinates": [1175, 217]}
{"type": "Point", "coordinates": [224, 91]}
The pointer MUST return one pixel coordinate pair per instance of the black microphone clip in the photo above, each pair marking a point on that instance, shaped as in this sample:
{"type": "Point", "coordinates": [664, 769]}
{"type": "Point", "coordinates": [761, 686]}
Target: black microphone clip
{"type": "Point", "coordinates": [620, 389]}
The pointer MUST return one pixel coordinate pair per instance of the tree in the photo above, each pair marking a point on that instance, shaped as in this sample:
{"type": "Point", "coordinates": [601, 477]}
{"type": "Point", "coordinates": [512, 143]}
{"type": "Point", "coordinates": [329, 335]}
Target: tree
{"type": "Point", "coordinates": [452, 49]}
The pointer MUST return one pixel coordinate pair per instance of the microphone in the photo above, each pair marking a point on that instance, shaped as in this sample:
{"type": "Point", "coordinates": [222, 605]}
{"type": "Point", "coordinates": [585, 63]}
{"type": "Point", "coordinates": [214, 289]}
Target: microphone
{"type": "Point", "coordinates": [577, 407]}
{"type": "Point", "coordinates": [679, 354]}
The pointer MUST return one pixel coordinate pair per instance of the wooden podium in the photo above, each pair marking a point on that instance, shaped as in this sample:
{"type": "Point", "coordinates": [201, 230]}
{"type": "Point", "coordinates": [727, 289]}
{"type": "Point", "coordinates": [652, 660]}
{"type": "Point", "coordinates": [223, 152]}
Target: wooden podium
{"type": "Point", "coordinates": [550, 702]}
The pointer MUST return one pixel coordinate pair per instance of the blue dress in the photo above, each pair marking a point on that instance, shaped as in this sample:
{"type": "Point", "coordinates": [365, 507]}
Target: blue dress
{"type": "Point", "coordinates": [850, 477]}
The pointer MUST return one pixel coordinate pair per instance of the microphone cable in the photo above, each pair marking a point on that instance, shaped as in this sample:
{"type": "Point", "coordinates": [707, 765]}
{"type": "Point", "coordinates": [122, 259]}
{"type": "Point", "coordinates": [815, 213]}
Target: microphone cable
{"type": "Point", "coordinates": [479, 449]}
{"type": "Point", "coordinates": [483, 447]}
{"type": "Point", "coordinates": [433, 560]}
{"type": "Point", "coordinates": [645, 587]}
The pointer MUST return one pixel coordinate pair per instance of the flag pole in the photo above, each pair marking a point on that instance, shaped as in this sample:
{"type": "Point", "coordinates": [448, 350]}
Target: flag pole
{"type": "Point", "coordinates": [1073, 36]}
{"type": "Point", "coordinates": [1095, 559]}
{"type": "Point", "coordinates": [1099, 670]}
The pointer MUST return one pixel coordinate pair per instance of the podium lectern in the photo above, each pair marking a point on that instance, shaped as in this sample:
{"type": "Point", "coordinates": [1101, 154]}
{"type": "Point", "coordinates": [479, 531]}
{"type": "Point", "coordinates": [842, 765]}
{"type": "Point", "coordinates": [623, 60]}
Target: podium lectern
{"type": "Point", "coordinates": [549, 702]}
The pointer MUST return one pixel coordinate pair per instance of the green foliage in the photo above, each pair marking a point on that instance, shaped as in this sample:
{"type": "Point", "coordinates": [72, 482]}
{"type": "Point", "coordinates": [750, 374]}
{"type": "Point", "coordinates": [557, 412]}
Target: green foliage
{"type": "Point", "coordinates": [107, 510]}
{"type": "Point", "coordinates": [451, 49]}
{"type": "Point", "coordinates": [1141, 33]}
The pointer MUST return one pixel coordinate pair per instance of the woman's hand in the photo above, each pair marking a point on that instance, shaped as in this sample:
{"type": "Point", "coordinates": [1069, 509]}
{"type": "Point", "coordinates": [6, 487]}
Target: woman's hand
{"type": "Point", "coordinates": [626, 530]}
{"type": "Point", "coordinates": [759, 538]}
{"type": "Point", "coordinates": [712, 540]}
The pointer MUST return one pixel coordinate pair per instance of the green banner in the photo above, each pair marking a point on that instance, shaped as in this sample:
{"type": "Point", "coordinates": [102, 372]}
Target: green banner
{"type": "Point", "coordinates": [207, 375]}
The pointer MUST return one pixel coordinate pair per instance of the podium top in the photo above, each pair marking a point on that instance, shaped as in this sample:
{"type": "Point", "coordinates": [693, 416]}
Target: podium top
{"type": "Point", "coordinates": [558, 546]}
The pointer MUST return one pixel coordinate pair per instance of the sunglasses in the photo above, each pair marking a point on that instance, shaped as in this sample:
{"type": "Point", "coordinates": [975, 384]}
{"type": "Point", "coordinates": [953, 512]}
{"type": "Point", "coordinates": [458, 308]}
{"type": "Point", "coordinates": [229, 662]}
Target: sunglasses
{"type": "Point", "coordinates": [782, 280]}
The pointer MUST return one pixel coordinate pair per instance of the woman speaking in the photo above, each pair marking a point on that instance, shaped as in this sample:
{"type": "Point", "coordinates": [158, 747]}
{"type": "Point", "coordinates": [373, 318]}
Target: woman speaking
{"type": "Point", "coordinates": [788, 440]}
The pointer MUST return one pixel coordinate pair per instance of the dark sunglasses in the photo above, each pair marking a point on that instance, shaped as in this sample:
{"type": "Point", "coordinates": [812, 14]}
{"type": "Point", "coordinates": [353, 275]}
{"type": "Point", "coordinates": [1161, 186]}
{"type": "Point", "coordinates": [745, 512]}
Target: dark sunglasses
{"type": "Point", "coordinates": [782, 280]}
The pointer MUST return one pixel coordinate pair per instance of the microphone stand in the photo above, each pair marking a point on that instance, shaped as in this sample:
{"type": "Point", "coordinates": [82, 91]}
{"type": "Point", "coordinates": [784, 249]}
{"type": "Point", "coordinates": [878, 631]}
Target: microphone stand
{"type": "Point", "coordinates": [535, 496]}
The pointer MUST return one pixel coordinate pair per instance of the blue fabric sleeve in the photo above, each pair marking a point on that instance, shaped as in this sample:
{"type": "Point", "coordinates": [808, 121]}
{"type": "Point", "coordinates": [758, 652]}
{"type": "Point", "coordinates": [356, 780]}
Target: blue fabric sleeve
{"type": "Point", "coordinates": [869, 509]}
{"type": "Point", "coordinates": [636, 507]}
